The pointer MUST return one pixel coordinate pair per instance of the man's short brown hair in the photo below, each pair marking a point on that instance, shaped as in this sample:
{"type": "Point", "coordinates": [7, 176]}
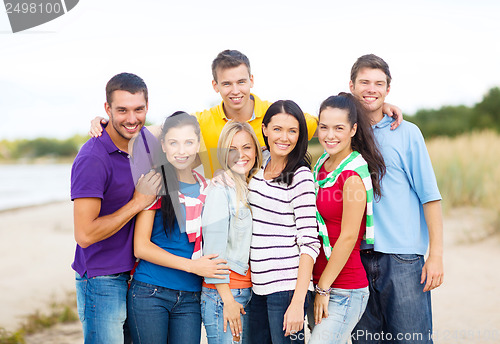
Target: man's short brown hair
{"type": "Point", "coordinates": [125, 82]}
{"type": "Point", "coordinates": [370, 61]}
{"type": "Point", "coordinates": [229, 59]}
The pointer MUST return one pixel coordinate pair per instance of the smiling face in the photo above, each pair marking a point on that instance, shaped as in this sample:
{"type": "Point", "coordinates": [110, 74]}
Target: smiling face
{"type": "Point", "coordinates": [282, 133]}
{"type": "Point", "coordinates": [234, 86]}
{"type": "Point", "coordinates": [127, 114]}
{"type": "Point", "coordinates": [242, 153]}
{"type": "Point", "coordinates": [335, 132]}
{"type": "Point", "coordinates": [371, 88]}
{"type": "Point", "coordinates": [180, 145]}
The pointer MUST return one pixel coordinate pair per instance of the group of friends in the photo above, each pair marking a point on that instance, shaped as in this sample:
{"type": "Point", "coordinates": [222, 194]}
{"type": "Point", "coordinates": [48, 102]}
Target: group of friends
{"type": "Point", "coordinates": [221, 218]}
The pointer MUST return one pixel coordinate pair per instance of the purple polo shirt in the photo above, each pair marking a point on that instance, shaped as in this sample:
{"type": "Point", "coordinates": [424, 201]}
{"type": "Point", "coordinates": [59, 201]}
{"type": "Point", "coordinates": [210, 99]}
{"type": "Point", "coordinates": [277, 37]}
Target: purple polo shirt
{"type": "Point", "coordinates": [101, 170]}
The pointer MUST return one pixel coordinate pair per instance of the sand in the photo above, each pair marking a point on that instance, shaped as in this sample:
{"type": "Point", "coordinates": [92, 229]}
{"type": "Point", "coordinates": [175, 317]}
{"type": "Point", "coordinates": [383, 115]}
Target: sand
{"type": "Point", "coordinates": [36, 251]}
{"type": "Point", "coordinates": [37, 248]}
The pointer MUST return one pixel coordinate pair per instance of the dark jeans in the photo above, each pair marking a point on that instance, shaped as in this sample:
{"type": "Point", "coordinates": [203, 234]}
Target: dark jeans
{"type": "Point", "coordinates": [266, 318]}
{"type": "Point", "coordinates": [157, 314]}
{"type": "Point", "coordinates": [398, 310]}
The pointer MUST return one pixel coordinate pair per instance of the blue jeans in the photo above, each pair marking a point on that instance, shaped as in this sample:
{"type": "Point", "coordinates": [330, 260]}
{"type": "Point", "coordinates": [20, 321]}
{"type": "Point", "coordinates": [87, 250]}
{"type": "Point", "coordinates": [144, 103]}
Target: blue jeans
{"type": "Point", "coordinates": [266, 318]}
{"type": "Point", "coordinates": [398, 310]}
{"type": "Point", "coordinates": [102, 307]}
{"type": "Point", "coordinates": [212, 315]}
{"type": "Point", "coordinates": [345, 308]}
{"type": "Point", "coordinates": [157, 315]}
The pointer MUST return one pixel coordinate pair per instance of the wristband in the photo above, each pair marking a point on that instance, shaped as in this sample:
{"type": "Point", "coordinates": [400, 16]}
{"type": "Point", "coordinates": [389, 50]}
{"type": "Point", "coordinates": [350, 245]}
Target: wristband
{"type": "Point", "coordinates": [323, 292]}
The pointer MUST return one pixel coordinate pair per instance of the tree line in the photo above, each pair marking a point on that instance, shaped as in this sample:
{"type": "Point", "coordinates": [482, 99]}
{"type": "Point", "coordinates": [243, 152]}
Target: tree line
{"type": "Point", "coordinates": [456, 120]}
{"type": "Point", "coordinates": [41, 147]}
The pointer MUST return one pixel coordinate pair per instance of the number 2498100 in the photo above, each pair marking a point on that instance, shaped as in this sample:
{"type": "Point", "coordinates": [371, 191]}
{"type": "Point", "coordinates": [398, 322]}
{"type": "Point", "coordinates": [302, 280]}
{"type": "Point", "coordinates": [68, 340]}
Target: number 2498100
{"type": "Point", "coordinates": [31, 7]}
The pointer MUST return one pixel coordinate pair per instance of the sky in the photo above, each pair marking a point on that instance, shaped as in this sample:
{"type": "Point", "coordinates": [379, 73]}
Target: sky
{"type": "Point", "coordinates": [53, 77]}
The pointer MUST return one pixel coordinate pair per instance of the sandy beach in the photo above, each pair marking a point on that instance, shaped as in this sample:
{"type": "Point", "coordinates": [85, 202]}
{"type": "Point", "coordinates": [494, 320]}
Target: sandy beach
{"type": "Point", "coordinates": [36, 251]}
{"type": "Point", "coordinates": [37, 248]}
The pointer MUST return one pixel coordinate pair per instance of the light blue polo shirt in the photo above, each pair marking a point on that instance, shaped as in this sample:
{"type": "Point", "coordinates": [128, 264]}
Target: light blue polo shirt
{"type": "Point", "coordinates": [409, 182]}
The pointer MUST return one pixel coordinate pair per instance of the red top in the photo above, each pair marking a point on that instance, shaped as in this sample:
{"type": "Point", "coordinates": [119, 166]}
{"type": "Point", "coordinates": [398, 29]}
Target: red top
{"type": "Point", "coordinates": [330, 203]}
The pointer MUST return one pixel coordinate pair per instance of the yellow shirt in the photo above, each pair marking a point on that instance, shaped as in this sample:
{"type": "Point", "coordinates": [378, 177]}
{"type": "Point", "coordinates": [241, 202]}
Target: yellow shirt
{"type": "Point", "coordinates": [213, 120]}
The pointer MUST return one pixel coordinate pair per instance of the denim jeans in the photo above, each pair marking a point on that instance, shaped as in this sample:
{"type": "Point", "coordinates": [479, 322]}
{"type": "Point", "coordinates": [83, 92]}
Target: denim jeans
{"type": "Point", "coordinates": [157, 315]}
{"type": "Point", "coordinates": [345, 308]}
{"type": "Point", "coordinates": [398, 310]}
{"type": "Point", "coordinates": [266, 318]}
{"type": "Point", "coordinates": [102, 307]}
{"type": "Point", "coordinates": [212, 315]}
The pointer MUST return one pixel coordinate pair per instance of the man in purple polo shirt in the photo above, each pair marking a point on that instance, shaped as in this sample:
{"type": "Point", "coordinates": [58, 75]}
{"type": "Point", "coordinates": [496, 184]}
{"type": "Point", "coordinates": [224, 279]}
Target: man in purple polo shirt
{"type": "Point", "coordinates": [105, 203]}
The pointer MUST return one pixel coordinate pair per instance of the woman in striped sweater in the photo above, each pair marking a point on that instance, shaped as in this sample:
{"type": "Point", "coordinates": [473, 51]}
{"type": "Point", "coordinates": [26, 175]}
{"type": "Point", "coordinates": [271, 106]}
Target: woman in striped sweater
{"type": "Point", "coordinates": [285, 239]}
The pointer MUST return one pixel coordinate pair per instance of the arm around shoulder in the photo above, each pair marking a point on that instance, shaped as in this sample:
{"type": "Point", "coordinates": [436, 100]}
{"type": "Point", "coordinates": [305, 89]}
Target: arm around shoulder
{"type": "Point", "coordinates": [394, 112]}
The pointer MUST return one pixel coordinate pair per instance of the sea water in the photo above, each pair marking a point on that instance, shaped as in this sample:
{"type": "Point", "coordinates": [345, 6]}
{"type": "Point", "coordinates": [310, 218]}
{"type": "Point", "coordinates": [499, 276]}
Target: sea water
{"type": "Point", "coordinates": [30, 184]}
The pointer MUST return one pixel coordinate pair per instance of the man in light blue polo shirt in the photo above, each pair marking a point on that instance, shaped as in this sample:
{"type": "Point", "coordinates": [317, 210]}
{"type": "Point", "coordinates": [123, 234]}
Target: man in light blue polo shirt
{"type": "Point", "coordinates": [408, 221]}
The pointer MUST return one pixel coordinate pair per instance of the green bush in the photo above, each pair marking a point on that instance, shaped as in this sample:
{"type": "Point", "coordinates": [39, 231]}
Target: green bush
{"type": "Point", "coordinates": [456, 120]}
{"type": "Point", "coordinates": [446, 121]}
{"type": "Point", "coordinates": [41, 147]}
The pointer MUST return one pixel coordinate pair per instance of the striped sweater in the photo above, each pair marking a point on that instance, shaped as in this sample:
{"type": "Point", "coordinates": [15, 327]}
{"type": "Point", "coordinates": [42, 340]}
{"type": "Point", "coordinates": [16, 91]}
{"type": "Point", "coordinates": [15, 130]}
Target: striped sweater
{"type": "Point", "coordinates": [284, 227]}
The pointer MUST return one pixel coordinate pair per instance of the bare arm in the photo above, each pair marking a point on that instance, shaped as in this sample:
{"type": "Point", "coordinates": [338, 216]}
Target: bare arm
{"type": "Point", "coordinates": [433, 270]}
{"type": "Point", "coordinates": [354, 203]}
{"type": "Point", "coordinates": [394, 112]}
{"type": "Point", "coordinates": [96, 126]}
{"type": "Point", "coordinates": [91, 228]}
{"type": "Point", "coordinates": [147, 250]}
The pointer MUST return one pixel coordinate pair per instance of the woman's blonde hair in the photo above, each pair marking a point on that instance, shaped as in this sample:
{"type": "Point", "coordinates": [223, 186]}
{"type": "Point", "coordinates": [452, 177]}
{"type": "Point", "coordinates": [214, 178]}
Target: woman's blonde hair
{"type": "Point", "coordinates": [223, 149]}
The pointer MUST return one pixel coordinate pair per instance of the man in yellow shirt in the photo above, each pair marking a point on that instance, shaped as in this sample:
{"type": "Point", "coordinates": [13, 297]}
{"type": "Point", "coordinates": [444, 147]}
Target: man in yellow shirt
{"type": "Point", "coordinates": [233, 80]}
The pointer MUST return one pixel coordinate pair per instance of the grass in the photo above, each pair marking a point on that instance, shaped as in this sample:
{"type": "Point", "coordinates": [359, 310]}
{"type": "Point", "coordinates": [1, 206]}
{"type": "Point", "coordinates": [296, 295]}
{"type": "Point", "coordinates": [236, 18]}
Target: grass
{"type": "Point", "coordinates": [60, 312]}
{"type": "Point", "coordinates": [467, 169]}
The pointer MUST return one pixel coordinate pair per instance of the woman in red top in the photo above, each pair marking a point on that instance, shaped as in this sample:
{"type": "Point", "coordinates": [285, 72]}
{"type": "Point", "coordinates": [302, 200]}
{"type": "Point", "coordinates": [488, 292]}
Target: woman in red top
{"type": "Point", "coordinates": [347, 175]}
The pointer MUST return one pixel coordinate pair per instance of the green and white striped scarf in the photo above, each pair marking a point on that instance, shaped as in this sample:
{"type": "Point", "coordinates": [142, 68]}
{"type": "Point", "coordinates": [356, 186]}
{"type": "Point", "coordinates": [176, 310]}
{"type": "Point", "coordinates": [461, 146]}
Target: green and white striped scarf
{"type": "Point", "coordinates": [353, 162]}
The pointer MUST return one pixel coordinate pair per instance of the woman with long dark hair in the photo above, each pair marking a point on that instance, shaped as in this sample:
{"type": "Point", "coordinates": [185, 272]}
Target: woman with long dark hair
{"type": "Point", "coordinates": [285, 239]}
{"type": "Point", "coordinates": [347, 177]}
